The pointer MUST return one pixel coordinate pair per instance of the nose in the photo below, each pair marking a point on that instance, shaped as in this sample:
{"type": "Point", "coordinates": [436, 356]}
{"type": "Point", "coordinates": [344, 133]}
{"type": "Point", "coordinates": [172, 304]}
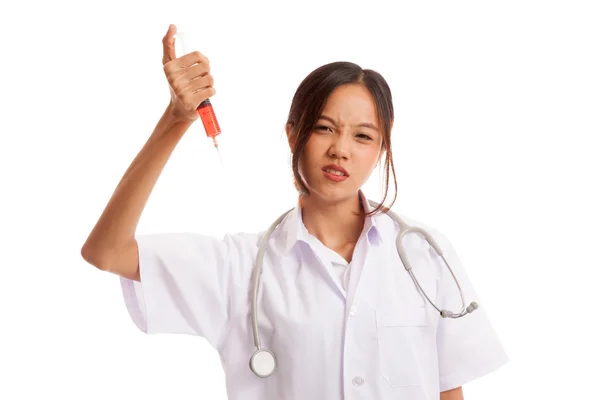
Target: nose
{"type": "Point", "coordinates": [339, 147]}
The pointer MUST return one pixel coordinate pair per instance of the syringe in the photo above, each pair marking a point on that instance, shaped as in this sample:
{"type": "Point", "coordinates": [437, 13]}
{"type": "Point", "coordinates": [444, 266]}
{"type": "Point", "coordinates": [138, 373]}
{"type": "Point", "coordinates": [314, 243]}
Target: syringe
{"type": "Point", "coordinates": [211, 125]}
{"type": "Point", "coordinates": [187, 42]}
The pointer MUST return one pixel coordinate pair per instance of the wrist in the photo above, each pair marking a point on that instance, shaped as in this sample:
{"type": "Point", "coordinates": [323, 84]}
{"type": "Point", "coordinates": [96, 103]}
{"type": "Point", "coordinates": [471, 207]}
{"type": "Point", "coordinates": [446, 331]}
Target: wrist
{"type": "Point", "coordinates": [175, 117]}
{"type": "Point", "coordinates": [173, 123]}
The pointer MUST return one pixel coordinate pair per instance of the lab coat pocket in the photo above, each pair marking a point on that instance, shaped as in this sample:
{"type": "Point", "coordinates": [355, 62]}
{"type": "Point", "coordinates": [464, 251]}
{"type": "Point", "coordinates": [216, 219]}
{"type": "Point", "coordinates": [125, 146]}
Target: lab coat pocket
{"type": "Point", "coordinates": [400, 337]}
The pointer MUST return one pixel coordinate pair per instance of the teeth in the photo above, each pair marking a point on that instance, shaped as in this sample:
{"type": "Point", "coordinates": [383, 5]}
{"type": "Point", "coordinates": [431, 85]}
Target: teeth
{"type": "Point", "coordinates": [334, 172]}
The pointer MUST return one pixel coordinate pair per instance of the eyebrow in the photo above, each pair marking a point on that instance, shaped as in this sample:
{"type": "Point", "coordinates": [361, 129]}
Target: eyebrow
{"type": "Point", "coordinates": [361, 125]}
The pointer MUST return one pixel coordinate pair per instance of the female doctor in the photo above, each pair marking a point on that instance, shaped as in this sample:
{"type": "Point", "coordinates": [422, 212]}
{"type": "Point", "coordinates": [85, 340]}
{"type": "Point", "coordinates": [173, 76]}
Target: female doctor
{"type": "Point", "coordinates": [334, 314]}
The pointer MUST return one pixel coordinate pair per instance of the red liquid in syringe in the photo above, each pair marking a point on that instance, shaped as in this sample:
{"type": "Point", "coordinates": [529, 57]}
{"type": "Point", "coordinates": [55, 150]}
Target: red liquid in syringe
{"type": "Point", "coordinates": [209, 120]}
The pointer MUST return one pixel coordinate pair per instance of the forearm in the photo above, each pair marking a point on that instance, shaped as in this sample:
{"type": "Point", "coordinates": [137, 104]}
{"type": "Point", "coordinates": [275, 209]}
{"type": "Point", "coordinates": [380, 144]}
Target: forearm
{"type": "Point", "coordinates": [117, 225]}
{"type": "Point", "coordinates": [453, 394]}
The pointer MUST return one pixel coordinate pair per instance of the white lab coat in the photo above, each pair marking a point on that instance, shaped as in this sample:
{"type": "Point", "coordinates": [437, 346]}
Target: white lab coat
{"type": "Point", "coordinates": [362, 333]}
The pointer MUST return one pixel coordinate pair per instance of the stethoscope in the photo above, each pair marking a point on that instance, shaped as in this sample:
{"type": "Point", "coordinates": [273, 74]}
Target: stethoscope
{"type": "Point", "coordinates": [263, 361]}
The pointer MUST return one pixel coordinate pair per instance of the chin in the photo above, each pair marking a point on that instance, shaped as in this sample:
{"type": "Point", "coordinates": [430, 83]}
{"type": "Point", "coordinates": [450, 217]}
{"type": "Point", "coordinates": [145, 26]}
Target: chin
{"type": "Point", "coordinates": [324, 190]}
{"type": "Point", "coordinates": [333, 194]}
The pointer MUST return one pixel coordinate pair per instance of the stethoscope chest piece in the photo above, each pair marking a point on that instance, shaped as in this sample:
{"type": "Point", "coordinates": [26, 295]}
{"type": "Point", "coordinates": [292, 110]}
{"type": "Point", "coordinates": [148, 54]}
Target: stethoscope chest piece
{"type": "Point", "coordinates": [262, 363]}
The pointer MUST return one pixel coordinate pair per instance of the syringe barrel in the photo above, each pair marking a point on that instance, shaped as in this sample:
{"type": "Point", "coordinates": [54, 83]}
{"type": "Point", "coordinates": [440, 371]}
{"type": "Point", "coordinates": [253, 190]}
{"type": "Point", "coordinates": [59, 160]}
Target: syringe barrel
{"type": "Point", "coordinates": [209, 119]}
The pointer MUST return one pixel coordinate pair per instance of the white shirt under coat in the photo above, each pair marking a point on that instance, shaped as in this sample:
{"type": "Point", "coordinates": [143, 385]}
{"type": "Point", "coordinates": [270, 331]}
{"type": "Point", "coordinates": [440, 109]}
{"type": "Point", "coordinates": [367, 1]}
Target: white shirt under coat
{"type": "Point", "coordinates": [338, 330]}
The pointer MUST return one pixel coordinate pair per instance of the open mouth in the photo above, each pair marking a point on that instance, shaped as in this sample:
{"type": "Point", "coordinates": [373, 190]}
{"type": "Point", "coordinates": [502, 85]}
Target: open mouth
{"type": "Point", "coordinates": [335, 173]}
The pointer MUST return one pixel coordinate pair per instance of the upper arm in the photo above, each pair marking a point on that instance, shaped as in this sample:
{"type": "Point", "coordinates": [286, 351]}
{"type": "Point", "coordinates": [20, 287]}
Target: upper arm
{"type": "Point", "coordinates": [467, 347]}
{"type": "Point", "coordinates": [188, 283]}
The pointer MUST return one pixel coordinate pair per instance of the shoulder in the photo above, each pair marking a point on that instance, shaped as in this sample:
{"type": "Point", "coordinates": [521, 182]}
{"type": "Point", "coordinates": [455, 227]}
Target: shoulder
{"type": "Point", "coordinates": [197, 248]}
{"type": "Point", "coordinates": [389, 226]}
{"type": "Point", "coordinates": [197, 238]}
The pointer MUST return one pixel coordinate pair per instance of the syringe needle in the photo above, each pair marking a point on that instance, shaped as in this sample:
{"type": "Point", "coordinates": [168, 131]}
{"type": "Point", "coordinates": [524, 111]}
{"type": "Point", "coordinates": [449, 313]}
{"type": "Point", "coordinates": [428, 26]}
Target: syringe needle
{"type": "Point", "coordinates": [220, 158]}
{"type": "Point", "coordinates": [218, 151]}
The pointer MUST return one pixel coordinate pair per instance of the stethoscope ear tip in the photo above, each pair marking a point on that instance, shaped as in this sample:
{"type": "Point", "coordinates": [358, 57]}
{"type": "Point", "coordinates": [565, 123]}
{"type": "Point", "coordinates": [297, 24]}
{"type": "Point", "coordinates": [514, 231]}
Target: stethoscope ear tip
{"type": "Point", "coordinates": [472, 307]}
{"type": "Point", "coordinates": [449, 314]}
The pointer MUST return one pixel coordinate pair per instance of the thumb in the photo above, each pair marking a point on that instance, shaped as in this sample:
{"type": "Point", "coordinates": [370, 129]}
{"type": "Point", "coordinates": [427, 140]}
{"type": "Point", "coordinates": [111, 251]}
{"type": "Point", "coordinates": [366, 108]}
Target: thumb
{"type": "Point", "coordinates": [169, 44]}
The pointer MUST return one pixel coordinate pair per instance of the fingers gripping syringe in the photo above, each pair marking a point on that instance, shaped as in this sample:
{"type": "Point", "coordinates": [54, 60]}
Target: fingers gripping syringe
{"type": "Point", "coordinates": [205, 109]}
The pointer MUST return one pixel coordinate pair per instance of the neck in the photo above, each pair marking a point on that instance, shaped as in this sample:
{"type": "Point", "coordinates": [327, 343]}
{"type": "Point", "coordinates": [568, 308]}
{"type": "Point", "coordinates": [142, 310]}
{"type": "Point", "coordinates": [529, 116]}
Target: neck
{"type": "Point", "coordinates": [337, 225]}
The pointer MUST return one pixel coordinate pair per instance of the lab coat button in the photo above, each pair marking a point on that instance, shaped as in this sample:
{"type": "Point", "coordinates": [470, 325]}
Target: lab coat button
{"type": "Point", "coordinates": [353, 311]}
{"type": "Point", "coordinates": [358, 381]}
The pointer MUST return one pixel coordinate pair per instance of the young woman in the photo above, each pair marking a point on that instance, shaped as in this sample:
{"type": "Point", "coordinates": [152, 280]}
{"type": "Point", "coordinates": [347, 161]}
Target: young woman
{"type": "Point", "coordinates": [335, 312]}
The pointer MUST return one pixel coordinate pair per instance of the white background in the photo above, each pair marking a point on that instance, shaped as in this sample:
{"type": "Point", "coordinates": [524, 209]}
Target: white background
{"type": "Point", "coordinates": [495, 145]}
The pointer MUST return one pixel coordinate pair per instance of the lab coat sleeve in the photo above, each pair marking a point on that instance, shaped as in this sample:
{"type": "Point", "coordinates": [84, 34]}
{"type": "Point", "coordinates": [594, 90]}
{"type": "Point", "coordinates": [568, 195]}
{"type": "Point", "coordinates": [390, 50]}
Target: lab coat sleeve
{"type": "Point", "coordinates": [189, 284]}
{"type": "Point", "coordinates": [468, 347]}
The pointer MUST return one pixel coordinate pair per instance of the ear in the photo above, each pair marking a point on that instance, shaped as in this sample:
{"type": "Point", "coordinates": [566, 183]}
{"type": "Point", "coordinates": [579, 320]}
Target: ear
{"type": "Point", "coordinates": [291, 140]}
{"type": "Point", "coordinates": [381, 154]}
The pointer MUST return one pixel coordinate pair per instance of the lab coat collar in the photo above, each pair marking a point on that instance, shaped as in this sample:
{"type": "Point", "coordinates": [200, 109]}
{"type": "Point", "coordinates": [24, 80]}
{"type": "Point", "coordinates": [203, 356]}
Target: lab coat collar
{"type": "Point", "coordinates": [295, 231]}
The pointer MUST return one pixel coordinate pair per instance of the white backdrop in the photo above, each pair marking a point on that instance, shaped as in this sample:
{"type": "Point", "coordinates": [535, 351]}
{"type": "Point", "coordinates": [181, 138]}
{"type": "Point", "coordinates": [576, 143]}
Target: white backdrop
{"type": "Point", "coordinates": [495, 141]}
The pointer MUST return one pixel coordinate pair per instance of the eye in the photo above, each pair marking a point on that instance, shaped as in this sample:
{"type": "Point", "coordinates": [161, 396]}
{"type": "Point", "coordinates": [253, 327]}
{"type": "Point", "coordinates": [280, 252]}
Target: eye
{"type": "Point", "coordinates": [364, 136]}
{"type": "Point", "coordinates": [322, 128]}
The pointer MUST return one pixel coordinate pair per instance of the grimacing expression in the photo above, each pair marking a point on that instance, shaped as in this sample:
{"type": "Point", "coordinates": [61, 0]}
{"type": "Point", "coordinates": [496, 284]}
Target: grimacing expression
{"type": "Point", "coordinates": [347, 134]}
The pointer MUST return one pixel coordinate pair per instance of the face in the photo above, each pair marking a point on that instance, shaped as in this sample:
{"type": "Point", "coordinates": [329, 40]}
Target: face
{"type": "Point", "coordinates": [344, 147]}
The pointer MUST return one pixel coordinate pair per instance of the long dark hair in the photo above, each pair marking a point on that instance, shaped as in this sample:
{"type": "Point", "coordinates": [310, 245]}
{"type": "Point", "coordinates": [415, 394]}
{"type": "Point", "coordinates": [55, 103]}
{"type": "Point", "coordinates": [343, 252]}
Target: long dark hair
{"type": "Point", "coordinates": [309, 101]}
